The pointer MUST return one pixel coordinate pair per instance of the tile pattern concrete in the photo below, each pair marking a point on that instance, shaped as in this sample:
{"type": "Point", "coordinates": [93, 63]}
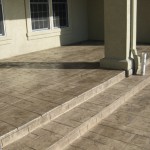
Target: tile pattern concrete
{"type": "Point", "coordinates": [45, 81]}
{"type": "Point", "coordinates": [127, 129]}
{"type": "Point", "coordinates": [75, 123]}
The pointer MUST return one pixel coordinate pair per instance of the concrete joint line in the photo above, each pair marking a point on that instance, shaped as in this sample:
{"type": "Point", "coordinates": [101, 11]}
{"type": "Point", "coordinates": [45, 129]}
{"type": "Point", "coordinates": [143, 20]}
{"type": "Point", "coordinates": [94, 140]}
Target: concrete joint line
{"type": "Point", "coordinates": [86, 126]}
{"type": "Point", "coordinates": [58, 111]}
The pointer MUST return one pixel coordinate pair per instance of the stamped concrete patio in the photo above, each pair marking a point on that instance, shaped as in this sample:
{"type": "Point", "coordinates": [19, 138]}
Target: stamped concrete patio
{"type": "Point", "coordinates": [126, 129]}
{"type": "Point", "coordinates": [33, 84]}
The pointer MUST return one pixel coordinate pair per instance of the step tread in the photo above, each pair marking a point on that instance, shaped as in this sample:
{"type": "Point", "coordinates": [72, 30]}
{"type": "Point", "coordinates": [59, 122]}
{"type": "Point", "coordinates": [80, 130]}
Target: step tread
{"type": "Point", "coordinates": [23, 116]}
{"type": "Point", "coordinates": [74, 121]}
{"type": "Point", "coordinates": [127, 128]}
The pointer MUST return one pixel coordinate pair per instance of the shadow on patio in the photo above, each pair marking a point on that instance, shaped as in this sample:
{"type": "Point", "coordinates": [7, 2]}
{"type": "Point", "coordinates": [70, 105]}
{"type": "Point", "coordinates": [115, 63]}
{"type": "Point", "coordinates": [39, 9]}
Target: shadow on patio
{"type": "Point", "coordinates": [51, 65]}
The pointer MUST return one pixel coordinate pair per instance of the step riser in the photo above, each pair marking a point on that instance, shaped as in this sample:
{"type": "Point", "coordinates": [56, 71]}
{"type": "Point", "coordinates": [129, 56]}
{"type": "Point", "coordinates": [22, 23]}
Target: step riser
{"type": "Point", "coordinates": [51, 115]}
{"type": "Point", "coordinates": [85, 127]}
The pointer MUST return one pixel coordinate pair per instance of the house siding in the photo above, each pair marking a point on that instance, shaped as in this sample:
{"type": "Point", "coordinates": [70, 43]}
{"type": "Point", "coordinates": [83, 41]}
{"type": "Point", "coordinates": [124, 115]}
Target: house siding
{"type": "Point", "coordinates": [143, 21]}
{"type": "Point", "coordinates": [96, 19]}
{"type": "Point", "coordinates": [19, 41]}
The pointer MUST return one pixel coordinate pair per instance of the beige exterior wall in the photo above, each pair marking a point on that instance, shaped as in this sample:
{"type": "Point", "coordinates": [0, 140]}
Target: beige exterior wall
{"type": "Point", "coordinates": [96, 19]}
{"type": "Point", "coordinates": [86, 20]}
{"type": "Point", "coordinates": [20, 39]}
{"type": "Point", "coordinates": [143, 21]}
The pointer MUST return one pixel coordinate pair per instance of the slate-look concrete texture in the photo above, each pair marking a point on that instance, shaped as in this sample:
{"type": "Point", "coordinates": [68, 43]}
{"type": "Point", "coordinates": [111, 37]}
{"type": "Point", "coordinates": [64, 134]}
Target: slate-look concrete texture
{"type": "Point", "coordinates": [127, 129]}
{"type": "Point", "coordinates": [38, 83]}
{"type": "Point", "coordinates": [72, 125]}
{"type": "Point", "coordinates": [41, 93]}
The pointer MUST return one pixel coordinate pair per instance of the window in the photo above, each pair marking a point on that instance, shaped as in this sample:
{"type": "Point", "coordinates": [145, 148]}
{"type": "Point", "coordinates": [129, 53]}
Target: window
{"type": "Point", "coordinates": [1, 19]}
{"type": "Point", "coordinates": [39, 14]}
{"type": "Point", "coordinates": [60, 13]}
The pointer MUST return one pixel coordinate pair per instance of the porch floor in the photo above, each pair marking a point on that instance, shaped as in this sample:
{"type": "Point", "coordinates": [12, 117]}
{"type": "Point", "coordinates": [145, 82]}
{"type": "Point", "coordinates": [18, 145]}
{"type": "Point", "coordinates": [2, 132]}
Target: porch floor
{"type": "Point", "coordinates": [35, 83]}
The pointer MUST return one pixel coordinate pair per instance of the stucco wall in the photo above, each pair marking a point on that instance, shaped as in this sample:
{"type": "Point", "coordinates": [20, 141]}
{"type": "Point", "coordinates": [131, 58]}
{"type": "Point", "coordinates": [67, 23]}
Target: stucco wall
{"type": "Point", "coordinates": [16, 41]}
{"type": "Point", "coordinates": [96, 19]}
{"type": "Point", "coordinates": [143, 21]}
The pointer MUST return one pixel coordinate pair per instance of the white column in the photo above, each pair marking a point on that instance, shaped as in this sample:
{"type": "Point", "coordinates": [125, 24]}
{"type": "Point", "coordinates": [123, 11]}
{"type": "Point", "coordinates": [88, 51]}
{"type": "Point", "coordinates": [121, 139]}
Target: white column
{"type": "Point", "coordinates": [134, 36]}
{"type": "Point", "coordinates": [117, 35]}
{"type": "Point", "coordinates": [133, 24]}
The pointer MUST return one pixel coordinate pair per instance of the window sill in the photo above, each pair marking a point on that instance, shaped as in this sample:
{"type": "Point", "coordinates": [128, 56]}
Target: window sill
{"type": "Point", "coordinates": [4, 40]}
{"type": "Point", "coordinates": [48, 33]}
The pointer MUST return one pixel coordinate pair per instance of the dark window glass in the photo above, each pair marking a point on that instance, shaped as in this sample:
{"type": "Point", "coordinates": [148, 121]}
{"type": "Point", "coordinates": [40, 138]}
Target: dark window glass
{"type": "Point", "coordinates": [39, 14]}
{"type": "Point", "coordinates": [1, 20]}
{"type": "Point", "coordinates": [60, 13]}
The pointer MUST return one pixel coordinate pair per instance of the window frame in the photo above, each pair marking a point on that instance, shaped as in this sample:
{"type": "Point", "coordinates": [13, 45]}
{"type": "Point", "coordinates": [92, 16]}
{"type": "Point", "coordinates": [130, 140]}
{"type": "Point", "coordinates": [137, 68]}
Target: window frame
{"type": "Point", "coordinates": [61, 27]}
{"type": "Point", "coordinates": [52, 32]}
{"type": "Point", "coordinates": [3, 20]}
{"type": "Point", "coordinates": [34, 30]}
{"type": "Point", "coordinates": [51, 18]}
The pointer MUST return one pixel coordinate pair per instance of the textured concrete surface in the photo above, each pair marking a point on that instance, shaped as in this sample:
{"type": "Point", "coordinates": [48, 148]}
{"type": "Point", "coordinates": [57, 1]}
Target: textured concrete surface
{"type": "Point", "coordinates": [127, 129]}
{"type": "Point", "coordinates": [39, 82]}
{"type": "Point", "coordinates": [77, 122]}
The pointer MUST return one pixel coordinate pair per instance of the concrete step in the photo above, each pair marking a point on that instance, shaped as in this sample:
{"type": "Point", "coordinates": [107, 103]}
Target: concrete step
{"type": "Point", "coordinates": [65, 129]}
{"type": "Point", "coordinates": [126, 129]}
{"type": "Point", "coordinates": [49, 115]}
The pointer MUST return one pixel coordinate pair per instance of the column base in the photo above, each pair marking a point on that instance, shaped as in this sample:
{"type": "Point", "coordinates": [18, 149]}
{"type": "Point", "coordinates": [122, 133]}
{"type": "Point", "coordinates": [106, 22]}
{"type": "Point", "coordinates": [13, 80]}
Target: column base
{"type": "Point", "coordinates": [137, 64]}
{"type": "Point", "coordinates": [126, 65]}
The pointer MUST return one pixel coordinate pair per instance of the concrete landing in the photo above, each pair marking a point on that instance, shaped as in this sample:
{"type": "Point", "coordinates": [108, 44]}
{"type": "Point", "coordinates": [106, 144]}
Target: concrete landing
{"type": "Point", "coordinates": [49, 96]}
{"type": "Point", "coordinates": [38, 87]}
{"type": "Point", "coordinates": [126, 129]}
{"type": "Point", "coordinates": [77, 122]}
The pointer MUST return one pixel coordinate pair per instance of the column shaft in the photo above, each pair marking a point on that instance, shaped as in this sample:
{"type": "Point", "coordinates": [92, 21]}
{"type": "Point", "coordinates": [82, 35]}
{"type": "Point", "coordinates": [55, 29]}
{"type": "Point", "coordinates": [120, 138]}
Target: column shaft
{"type": "Point", "coordinates": [117, 34]}
{"type": "Point", "coordinates": [137, 65]}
